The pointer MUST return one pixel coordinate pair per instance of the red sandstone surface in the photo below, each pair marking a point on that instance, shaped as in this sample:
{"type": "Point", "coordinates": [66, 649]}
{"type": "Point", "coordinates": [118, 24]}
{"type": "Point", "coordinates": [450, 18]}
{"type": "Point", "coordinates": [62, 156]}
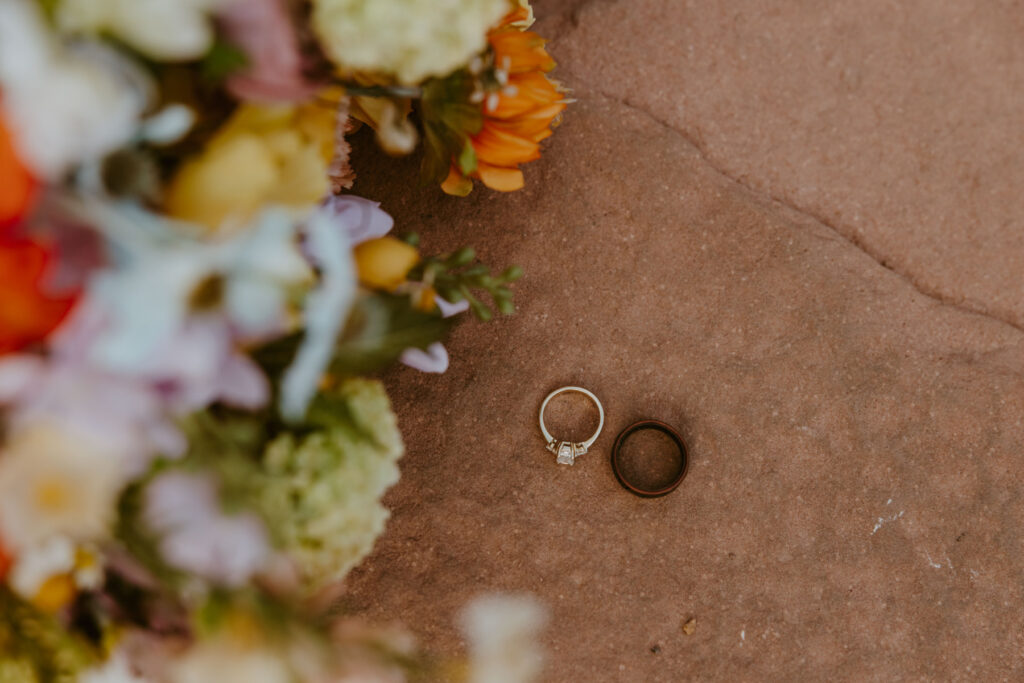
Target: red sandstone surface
{"type": "Point", "coordinates": [794, 231]}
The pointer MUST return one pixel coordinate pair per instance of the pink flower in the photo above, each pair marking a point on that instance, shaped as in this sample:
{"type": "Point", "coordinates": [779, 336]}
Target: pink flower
{"type": "Point", "coordinates": [196, 365]}
{"type": "Point", "coordinates": [264, 31]}
{"type": "Point", "coordinates": [124, 414]}
{"type": "Point", "coordinates": [197, 537]}
{"type": "Point", "coordinates": [361, 219]}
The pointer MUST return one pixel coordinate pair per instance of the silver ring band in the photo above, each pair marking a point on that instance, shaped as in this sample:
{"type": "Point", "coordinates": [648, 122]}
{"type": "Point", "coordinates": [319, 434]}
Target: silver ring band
{"type": "Point", "coordinates": [566, 452]}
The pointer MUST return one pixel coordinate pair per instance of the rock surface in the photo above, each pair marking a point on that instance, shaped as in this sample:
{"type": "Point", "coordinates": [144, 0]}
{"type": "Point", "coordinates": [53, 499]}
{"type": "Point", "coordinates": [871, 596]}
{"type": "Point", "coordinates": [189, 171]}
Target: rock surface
{"type": "Point", "coordinates": [824, 296]}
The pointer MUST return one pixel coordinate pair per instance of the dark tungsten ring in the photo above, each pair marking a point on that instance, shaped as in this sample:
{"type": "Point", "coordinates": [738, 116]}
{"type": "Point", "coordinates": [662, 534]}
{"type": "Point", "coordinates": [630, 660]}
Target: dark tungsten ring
{"type": "Point", "coordinates": [672, 434]}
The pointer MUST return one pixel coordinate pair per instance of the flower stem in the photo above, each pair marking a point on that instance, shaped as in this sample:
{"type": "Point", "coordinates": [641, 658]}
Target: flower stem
{"type": "Point", "coordinates": [381, 90]}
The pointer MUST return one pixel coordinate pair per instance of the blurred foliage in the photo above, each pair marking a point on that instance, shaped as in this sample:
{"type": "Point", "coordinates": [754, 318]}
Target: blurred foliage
{"type": "Point", "coordinates": [450, 117]}
{"type": "Point", "coordinates": [455, 277]}
{"type": "Point", "coordinates": [34, 646]}
{"type": "Point", "coordinates": [380, 327]}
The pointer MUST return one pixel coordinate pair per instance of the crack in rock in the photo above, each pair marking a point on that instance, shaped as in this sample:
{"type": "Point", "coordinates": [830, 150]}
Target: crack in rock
{"type": "Point", "coordinates": [867, 250]}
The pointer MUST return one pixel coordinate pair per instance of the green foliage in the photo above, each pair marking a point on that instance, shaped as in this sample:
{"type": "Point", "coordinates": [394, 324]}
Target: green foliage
{"type": "Point", "coordinates": [133, 535]}
{"type": "Point", "coordinates": [380, 327]}
{"type": "Point", "coordinates": [34, 646]}
{"type": "Point", "coordinates": [455, 276]}
{"type": "Point", "coordinates": [316, 485]}
{"type": "Point", "coordinates": [222, 60]}
{"type": "Point", "coordinates": [450, 118]}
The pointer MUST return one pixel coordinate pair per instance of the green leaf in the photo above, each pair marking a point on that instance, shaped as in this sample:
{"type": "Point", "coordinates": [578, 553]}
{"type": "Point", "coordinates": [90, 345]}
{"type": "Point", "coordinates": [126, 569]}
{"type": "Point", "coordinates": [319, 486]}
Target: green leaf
{"type": "Point", "coordinates": [35, 646]}
{"type": "Point", "coordinates": [436, 158]}
{"type": "Point", "coordinates": [467, 159]}
{"type": "Point", "coordinates": [455, 278]}
{"type": "Point", "coordinates": [512, 273]}
{"type": "Point", "coordinates": [449, 119]}
{"type": "Point", "coordinates": [461, 257]}
{"type": "Point", "coordinates": [223, 60]}
{"type": "Point", "coordinates": [380, 328]}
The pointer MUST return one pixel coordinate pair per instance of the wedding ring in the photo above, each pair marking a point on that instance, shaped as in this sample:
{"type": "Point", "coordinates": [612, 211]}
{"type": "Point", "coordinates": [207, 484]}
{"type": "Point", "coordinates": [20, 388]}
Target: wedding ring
{"type": "Point", "coordinates": [566, 452]}
{"type": "Point", "coordinates": [644, 491]}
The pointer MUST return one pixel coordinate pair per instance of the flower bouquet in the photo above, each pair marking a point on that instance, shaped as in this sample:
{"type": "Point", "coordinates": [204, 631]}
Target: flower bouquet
{"type": "Point", "coordinates": [191, 453]}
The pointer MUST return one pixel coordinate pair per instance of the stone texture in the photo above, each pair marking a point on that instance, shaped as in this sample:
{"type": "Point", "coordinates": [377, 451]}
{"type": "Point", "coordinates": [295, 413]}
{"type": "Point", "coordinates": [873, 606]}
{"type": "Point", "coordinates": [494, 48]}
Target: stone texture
{"type": "Point", "coordinates": [853, 507]}
{"type": "Point", "coordinates": [898, 123]}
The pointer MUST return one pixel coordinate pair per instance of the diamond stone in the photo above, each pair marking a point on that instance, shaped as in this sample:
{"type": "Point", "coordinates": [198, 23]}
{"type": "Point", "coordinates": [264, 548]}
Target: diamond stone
{"type": "Point", "coordinates": [565, 456]}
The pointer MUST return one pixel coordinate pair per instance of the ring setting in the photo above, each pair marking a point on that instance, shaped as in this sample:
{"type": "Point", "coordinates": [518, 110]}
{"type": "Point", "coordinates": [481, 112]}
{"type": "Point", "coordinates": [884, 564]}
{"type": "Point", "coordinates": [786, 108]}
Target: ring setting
{"type": "Point", "coordinates": [566, 452]}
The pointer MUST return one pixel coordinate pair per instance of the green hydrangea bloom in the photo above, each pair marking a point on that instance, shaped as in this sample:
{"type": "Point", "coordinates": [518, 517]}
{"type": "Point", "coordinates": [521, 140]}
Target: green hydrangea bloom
{"type": "Point", "coordinates": [323, 490]}
{"type": "Point", "coordinates": [409, 39]}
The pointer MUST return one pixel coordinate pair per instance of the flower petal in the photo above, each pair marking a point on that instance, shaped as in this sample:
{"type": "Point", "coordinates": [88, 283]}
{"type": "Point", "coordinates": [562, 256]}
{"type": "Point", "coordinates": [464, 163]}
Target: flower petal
{"type": "Point", "coordinates": [501, 179]}
{"type": "Point", "coordinates": [500, 147]}
{"type": "Point", "coordinates": [361, 219]}
{"type": "Point", "coordinates": [326, 311]}
{"type": "Point", "coordinates": [519, 51]}
{"type": "Point", "coordinates": [433, 359]}
{"type": "Point", "coordinates": [449, 309]}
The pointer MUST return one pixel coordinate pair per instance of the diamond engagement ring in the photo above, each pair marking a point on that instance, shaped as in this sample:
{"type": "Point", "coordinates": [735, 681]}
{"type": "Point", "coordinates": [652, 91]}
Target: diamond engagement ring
{"type": "Point", "coordinates": [566, 452]}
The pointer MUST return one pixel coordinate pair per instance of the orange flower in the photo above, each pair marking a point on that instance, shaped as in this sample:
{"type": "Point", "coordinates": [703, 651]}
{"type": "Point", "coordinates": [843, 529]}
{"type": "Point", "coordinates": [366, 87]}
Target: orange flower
{"type": "Point", "coordinates": [17, 186]}
{"type": "Point", "coordinates": [517, 115]}
{"type": "Point", "coordinates": [5, 563]}
{"type": "Point", "coordinates": [28, 313]}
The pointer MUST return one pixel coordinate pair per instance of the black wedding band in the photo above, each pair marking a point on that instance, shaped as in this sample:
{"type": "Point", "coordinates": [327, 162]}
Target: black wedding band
{"type": "Point", "coordinates": [665, 429]}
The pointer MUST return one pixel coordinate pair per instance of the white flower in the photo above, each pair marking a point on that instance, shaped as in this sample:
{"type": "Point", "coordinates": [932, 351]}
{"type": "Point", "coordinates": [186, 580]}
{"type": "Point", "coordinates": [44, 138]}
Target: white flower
{"type": "Point", "coordinates": [168, 125]}
{"type": "Point", "coordinates": [167, 30]}
{"type": "Point", "coordinates": [55, 483]}
{"type": "Point", "coordinates": [435, 357]}
{"type": "Point", "coordinates": [411, 39]}
{"type": "Point", "coordinates": [36, 564]}
{"type": "Point", "coordinates": [121, 416]}
{"type": "Point", "coordinates": [65, 106]}
{"type": "Point", "coordinates": [197, 536]}
{"type": "Point", "coordinates": [502, 632]}
{"type": "Point", "coordinates": [326, 310]}
{"type": "Point", "coordinates": [227, 659]}
{"type": "Point", "coordinates": [114, 670]}
{"type": "Point", "coordinates": [149, 295]}
{"type": "Point", "coordinates": [449, 309]}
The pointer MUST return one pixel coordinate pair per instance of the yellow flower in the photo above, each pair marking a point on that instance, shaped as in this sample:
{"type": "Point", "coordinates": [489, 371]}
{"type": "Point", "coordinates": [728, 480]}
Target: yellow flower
{"type": "Point", "coordinates": [262, 155]}
{"type": "Point", "coordinates": [384, 262]}
{"type": "Point", "coordinates": [56, 591]}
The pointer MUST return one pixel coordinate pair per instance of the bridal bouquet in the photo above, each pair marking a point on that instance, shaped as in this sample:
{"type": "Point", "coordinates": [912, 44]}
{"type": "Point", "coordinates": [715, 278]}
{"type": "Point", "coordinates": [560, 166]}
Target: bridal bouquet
{"type": "Point", "coordinates": [191, 452]}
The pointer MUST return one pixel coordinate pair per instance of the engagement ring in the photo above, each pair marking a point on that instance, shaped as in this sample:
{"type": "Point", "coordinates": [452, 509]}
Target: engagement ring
{"type": "Point", "coordinates": [566, 452]}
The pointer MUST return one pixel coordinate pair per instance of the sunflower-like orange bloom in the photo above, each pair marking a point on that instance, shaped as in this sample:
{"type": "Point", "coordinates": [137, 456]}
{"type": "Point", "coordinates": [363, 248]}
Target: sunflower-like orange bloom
{"type": "Point", "coordinates": [17, 186]}
{"type": "Point", "coordinates": [518, 115]}
{"type": "Point", "coordinates": [28, 313]}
